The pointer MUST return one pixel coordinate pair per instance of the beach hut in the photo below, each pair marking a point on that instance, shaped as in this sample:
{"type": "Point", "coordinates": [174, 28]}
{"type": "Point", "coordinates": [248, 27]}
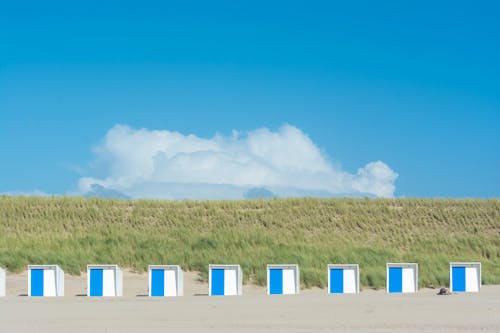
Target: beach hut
{"type": "Point", "coordinates": [104, 280]}
{"type": "Point", "coordinates": [225, 280]}
{"type": "Point", "coordinates": [283, 279]}
{"type": "Point", "coordinates": [402, 277]}
{"type": "Point", "coordinates": [465, 277]}
{"type": "Point", "coordinates": [343, 279]}
{"type": "Point", "coordinates": [45, 280]}
{"type": "Point", "coordinates": [165, 280]}
{"type": "Point", "coordinates": [2, 282]}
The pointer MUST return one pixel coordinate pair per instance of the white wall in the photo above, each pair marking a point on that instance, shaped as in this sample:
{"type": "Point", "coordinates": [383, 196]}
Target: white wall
{"type": "Point", "coordinates": [350, 281]}
{"type": "Point", "coordinates": [409, 280]}
{"type": "Point", "coordinates": [108, 282]}
{"type": "Point", "coordinates": [230, 282]}
{"type": "Point", "coordinates": [2, 282]}
{"type": "Point", "coordinates": [472, 279]}
{"type": "Point", "coordinates": [60, 281]}
{"type": "Point", "coordinates": [170, 277]}
{"type": "Point", "coordinates": [49, 282]}
{"type": "Point", "coordinates": [289, 281]}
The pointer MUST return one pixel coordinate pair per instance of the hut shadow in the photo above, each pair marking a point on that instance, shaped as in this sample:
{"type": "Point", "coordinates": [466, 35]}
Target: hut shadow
{"type": "Point", "coordinates": [201, 294]}
{"type": "Point", "coordinates": [81, 295]}
{"type": "Point", "coordinates": [22, 295]}
{"type": "Point", "coordinates": [141, 295]}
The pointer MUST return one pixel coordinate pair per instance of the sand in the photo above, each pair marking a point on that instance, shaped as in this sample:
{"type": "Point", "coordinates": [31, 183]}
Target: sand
{"type": "Point", "coordinates": [311, 311]}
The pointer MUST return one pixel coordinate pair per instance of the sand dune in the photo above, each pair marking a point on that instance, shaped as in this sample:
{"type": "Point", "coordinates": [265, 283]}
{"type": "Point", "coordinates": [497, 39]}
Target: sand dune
{"type": "Point", "coordinates": [312, 310]}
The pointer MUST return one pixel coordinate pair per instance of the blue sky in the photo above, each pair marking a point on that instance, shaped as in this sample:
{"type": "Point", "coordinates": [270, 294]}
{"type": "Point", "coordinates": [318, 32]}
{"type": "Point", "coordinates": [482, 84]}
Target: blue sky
{"type": "Point", "coordinates": [415, 85]}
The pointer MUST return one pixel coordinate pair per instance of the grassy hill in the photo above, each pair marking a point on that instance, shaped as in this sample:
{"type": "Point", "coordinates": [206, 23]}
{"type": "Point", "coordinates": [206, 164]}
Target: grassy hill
{"type": "Point", "coordinates": [73, 232]}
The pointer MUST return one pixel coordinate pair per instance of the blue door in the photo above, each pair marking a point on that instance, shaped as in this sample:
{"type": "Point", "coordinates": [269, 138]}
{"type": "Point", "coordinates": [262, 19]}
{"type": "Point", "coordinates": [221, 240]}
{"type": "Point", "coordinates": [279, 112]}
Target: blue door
{"type": "Point", "coordinates": [95, 282]}
{"type": "Point", "coordinates": [336, 281]}
{"type": "Point", "coordinates": [458, 275]}
{"type": "Point", "coordinates": [217, 282]}
{"type": "Point", "coordinates": [395, 280]}
{"type": "Point", "coordinates": [157, 282]}
{"type": "Point", "coordinates": [37, 282]}
{"type": "Point", "coordinates": [275, 281]}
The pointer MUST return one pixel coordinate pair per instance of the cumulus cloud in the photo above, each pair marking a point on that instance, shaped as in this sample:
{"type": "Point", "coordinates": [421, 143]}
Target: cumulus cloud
{"type": "Point", "coordinates": [142, 163]}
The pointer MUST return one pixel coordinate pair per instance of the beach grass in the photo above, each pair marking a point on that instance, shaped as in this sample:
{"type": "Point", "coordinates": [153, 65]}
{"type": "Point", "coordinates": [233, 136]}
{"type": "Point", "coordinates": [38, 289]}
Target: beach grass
{"type": "Point", "coordinates": [74, 232]}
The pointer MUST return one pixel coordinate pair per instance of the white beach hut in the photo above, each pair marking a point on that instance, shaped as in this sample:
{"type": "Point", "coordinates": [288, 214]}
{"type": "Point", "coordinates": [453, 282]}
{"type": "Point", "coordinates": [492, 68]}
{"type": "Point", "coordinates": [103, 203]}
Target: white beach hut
{"type": "Point", "coordinates": [2, 282]}
{"type": "Point", "coordinates": [225, 280]}
{"type": "Point", "coordinates": [283, 279]}
{"type": "Point", "coordinates": [402, 277]}
{"type": "Point", "coordinates": [165, 280]}
{"type": "Point", "coordinates": [45, 281]}
{"type": "Point", "coordinates": [104, 280]}
{"type": "Point", "coordinates": [465, 276]}
{"type": "Point", "coordinates": [343, 279]}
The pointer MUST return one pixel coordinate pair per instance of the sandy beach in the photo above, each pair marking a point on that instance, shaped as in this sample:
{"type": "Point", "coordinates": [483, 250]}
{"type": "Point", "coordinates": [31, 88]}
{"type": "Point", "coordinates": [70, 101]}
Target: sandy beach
{"type": "Point", "coordinates": [312, 310]}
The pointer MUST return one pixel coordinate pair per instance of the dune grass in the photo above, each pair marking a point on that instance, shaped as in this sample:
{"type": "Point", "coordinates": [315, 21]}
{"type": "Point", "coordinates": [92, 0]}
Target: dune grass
{"type": "Point", "coordinates": [74, 232]}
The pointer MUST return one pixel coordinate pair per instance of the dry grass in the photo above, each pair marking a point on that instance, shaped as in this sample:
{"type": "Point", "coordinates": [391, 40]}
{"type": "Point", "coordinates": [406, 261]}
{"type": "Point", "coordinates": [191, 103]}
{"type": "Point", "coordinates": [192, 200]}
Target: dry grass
{"type": "Point", "coordinates": [72, 232]}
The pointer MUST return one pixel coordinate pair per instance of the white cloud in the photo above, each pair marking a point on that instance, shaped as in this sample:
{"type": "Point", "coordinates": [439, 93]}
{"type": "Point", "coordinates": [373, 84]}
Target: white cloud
{"type": "Point", "coordinates": [28, 193]}
{"type": "Point", "coordinates": [164, 164]}
{"type": "Point", "coordinates": [376, 178]}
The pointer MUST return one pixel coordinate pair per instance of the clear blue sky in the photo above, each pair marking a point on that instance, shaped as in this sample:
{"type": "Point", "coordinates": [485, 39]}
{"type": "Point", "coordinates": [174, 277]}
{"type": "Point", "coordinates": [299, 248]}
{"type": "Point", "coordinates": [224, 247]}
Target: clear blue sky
{"type": "Point", "coordinates": [413, 84]}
